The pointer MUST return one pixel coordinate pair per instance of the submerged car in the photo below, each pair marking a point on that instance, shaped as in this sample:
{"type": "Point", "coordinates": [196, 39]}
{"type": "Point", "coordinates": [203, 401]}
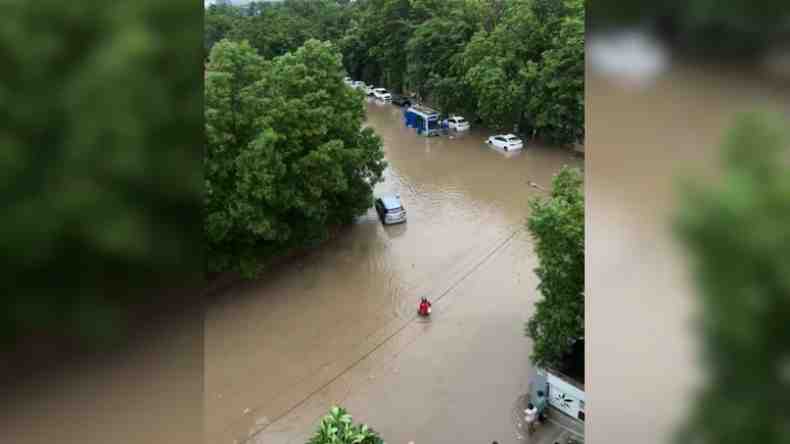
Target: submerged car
{"type": "Point", "coordinates": [457, 123]}
{"type": "Point", "coordinates": [507, 142]}
{"type": "Point", "coordinates": [382, 94]}
{"type": "Point", "coordinates": [400, 100]}
{"type": "Point", "coordinates": [390, 209]}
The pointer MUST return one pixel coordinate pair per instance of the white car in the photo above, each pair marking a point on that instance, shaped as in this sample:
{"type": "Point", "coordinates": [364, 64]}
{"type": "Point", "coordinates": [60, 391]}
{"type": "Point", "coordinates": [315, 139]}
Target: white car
{"type": "Point", "coordinates": [367, 89]}
{"type": "Point", "coordinates": [358, 84]}
{"type": "Point", "coordinates": [458, 123]}
{"type": "Point", "coordinates": [382, 94]}
{"type": "Point", "coordinates": [507, 142]}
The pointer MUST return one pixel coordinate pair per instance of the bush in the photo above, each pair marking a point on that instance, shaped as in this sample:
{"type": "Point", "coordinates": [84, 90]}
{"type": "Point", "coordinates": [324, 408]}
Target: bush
{"type": "Point", "coordinates": [337, 428]}
{"type": "Point", "coordinates": [557, 224]}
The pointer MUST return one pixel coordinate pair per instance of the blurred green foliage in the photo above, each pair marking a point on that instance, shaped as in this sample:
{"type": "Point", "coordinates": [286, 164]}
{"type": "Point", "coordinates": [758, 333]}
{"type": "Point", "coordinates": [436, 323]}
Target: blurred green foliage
{"type": "Point", "coordinates": [738, 234]}
{"type": "Point", "coordinates": [286, 156]}
{"type": "Point", "coordinates": [100, 136]}
{"type": "Point", "coordinates": [557, 224]}
{"type": "Point", "coordinates": [506, 62]}
{"type": "Point", "coordinates": [277, 27]}
{"type": "Point", "coordinates": [337, 427]}
{"type": "Point", "coordinates": [733, 28]}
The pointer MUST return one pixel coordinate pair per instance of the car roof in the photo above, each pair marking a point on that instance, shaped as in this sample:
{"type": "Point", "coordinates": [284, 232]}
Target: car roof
{"type": "Point", "coordinates": [390, 202]}
{"type": "Point", "coordinates": [511, 136]}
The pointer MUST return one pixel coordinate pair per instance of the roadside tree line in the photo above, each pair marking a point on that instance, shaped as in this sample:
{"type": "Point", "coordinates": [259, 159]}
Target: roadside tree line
{"type": "Point", "coordinates": [509, 63]}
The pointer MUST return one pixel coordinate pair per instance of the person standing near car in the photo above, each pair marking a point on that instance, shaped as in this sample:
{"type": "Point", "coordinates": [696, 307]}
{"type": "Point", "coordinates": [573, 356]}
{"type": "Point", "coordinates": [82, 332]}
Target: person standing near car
{"type": "Point", "coordinates": [540, 404]}
{"type": "Point", "coordinates": [531, 417]}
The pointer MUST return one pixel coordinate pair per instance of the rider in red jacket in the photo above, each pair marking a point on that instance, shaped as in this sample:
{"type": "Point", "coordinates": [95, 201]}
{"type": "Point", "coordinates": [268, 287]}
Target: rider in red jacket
{"type": "Point", "coordinates": [425, 307]}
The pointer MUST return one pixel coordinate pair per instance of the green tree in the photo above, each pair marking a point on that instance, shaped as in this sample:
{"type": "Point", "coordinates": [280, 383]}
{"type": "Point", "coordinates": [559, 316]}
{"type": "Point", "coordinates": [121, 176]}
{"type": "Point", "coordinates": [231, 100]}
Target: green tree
{"type": "Point", "coordinates": [379, 31]}
{"type": "Point", "coordinates": [218, 21]}
{"type": "Point", "coordinates": [100, 105]}
{"type": "Point", "coordinates": [287, 158]}
{"type": "Point", "coordinates": [557, 225]}
{"type": "Point", "coordinates": [529, 69]}
{"type": "Point", "coordinates": [738, 233]}
{"type": "Point", "coordinates": [555, 83]}
{"type": "Point", "coordinates": [337, 427]}
{"type": "Point", "coordinates": [436, 46]}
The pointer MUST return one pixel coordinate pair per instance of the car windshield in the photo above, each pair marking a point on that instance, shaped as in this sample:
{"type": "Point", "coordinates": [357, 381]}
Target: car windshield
{"type": "Point", "coordinates": [513, 139]}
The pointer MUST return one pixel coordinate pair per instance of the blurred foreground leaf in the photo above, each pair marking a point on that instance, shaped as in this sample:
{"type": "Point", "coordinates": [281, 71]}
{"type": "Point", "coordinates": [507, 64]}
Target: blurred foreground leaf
{"type": "Point", "coordinates": [100, 169]}
{"type": "Point", "coordinates": [738, 233]}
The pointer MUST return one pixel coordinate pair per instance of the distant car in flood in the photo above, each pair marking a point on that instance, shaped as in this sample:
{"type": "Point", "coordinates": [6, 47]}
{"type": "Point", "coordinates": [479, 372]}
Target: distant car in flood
{"type": "Point", "coordinates": [390, 209]}
{"type": "Point", "coordinates": [400, 100]}
{"type": "Point", "coordinates": [507, 142]}
{"type": "Point", "coordinates": [457, 123]}
{"type": "Point", "coordinates": [382, 94]}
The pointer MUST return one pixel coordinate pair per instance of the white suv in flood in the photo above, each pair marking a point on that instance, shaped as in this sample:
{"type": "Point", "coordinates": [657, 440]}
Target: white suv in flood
{"type": "Point", "coordinates": [390, 210]}
{"type": "Point", "coordinates": [507, 142]}
{"type": "Point", "coordinates": [458, 123]}
{"type": "Point", "coordinates": [382, 94]}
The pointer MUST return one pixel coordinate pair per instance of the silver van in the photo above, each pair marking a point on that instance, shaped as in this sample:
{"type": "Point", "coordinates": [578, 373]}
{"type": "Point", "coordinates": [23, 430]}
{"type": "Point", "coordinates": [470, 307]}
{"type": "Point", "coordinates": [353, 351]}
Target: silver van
{"type": "Point", "coordinates": [390, 210]}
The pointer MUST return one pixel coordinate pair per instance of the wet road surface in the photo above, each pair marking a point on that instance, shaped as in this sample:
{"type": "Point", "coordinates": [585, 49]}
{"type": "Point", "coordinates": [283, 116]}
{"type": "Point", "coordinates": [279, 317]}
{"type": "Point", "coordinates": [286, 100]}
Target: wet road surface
{"type": "Point", "coordinates": [339, 326]}
{"type": "Point", "coordinates": [645, 139]}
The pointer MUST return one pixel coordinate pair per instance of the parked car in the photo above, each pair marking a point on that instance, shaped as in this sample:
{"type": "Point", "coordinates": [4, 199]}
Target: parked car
{"type": "Point", "coordinates": [390, 209]}
{"type": "Point", "coordinates": [400, 100]}
{"type": "Point", "coordinates": [368, 90]}
{"type": "Point", "coordinates": [382, 94]}
{"type": "Point", "coordinates": [507, 142]}
{"type": "Point", "coordinates": [457, 123]}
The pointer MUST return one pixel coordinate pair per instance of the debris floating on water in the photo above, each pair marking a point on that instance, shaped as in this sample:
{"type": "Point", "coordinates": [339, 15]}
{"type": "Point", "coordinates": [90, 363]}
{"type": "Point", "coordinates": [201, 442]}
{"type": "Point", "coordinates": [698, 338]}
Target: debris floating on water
{"type": "Point", "coordinates": [534, 185]}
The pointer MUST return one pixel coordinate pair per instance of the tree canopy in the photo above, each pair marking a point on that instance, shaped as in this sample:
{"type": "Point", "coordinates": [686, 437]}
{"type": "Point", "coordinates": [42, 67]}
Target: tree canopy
{"type": "Point", "coordinates": [286, 155]}
{"type": "Point", "coordinates": [100, 105]}
{"type": "Point", "coordinates": [506, 62]}
{"type": "Point", "coordinates": [557, 224]}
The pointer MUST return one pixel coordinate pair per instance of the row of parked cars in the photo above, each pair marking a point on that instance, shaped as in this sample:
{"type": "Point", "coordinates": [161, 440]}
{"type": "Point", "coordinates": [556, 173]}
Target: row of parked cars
{"type": "Point", "coordinates": [379, 93]}
{"type": "Point", "coordinates": [506, 142]}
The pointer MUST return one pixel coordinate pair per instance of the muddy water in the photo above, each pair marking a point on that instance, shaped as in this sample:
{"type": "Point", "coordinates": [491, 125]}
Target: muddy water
{"type": "Point", "coordinates": [338, 326]}
{"type": "Point", "coordinates": [642, 138]}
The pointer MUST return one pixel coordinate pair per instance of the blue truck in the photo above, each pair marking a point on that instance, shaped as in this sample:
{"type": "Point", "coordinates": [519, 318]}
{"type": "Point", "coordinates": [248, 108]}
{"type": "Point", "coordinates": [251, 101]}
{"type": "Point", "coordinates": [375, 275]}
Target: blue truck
{"type": "Point", "coordinates": [425, 120]}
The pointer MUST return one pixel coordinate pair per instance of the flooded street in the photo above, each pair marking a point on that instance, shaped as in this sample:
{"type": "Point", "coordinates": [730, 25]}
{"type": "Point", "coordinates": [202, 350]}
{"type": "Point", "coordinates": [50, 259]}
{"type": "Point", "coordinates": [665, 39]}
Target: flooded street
{"type": "Point", "coordinates": [338, 326]}
{"type": "Point", "coordinates": [641, 304]}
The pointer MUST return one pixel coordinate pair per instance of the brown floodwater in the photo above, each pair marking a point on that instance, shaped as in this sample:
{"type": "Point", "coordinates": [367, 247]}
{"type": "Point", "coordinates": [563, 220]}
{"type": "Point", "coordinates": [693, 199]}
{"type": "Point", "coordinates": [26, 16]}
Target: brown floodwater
{"type": "Point", "coordinates": [338, 326]}
{"type": "Point", "coordinates": [645, 135]}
